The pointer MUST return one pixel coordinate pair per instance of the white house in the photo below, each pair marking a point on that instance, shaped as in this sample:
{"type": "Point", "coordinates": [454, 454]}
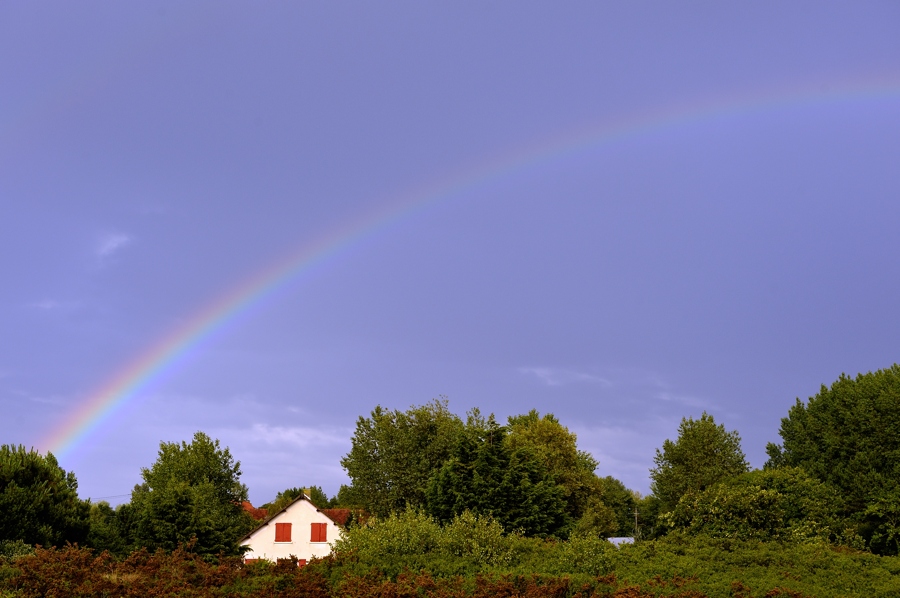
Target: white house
{"type": "Point", "coordinates": [299, 529]}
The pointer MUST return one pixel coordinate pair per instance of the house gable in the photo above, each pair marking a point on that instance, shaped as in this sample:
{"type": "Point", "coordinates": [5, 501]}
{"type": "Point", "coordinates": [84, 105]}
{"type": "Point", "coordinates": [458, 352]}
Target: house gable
{"type": "Point", "coordinates": [299, 530]}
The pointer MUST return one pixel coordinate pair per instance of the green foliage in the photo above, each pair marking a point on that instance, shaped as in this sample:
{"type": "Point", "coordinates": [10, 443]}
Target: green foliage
{"type": "Point", "coordinates": [107, 528]}
{"type": "Point", "coordinates": [676, 566]}
{"type": "Point", "coordinates": [39, 501]}
{"type": "Point", "coordinates": [649, 509]}
{"type": "Point", "coordinates": [192, 491]}
{"type": "Point", "coordinates": [703, 454]}
{"type": "Point", "coordinates": [622, 502]}
{"type": "Point", "coordinates": [13, 549]}
{"type": "Point", "coordinates": [348, 497]}
{"type": "Point", "coordinates": [488, 477]}
{"type": "Point", "coordinates": [413, 540]}
{"type": "Point", "coordinates": [284, 498]}
{"type": "Point", "coordinates": [586, 555]}
{"type": "Point", "coordinates": [598, 521]}
{"type": "Point", "coordinates": [395, 453]}
{"type": "Point", "coordinates": [782, 504]}
{"type": "Point", "coordinates": [847, 435]}
{"type": "Point", "coordinates": [555, 448]}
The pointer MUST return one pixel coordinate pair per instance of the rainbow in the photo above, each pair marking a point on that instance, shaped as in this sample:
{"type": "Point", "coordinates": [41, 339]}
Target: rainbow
{"type": "Point", "coordinates": [238, 302]}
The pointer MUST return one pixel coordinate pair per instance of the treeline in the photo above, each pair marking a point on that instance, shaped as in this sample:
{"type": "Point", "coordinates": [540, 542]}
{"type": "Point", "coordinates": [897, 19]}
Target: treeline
{"type": "Point", "coordinates": [529, 474]}
{"type": "Point", "coordinates": [835, 477]}
{"type": "Point", "coordinates": [462, 499]}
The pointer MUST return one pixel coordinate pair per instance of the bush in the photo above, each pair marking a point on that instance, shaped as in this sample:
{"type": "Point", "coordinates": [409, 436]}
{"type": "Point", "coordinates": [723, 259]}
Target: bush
{"type": "Point", "coordinates": [779, 504]}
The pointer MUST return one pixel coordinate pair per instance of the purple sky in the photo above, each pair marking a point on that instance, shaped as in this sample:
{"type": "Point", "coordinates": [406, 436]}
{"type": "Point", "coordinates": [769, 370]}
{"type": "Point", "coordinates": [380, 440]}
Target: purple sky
{"type": "Point", "coordinates": [153, 157]}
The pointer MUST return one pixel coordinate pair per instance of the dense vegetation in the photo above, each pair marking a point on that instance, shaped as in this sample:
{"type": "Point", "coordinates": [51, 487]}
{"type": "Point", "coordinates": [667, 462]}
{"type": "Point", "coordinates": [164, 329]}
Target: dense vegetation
{"type": "Point", "coordinates": [475, 508]}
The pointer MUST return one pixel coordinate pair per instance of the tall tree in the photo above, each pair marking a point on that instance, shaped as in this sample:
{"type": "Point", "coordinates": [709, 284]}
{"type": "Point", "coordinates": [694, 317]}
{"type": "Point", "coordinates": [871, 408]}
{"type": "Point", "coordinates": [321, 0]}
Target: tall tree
{"type": "Point", "coordinates": [556, 449]}
{"type": "Point", "coordinates": [109, 528]}
{"type": "Point", "coordinates": [703, 454]}
{"type": "Point", "coordinates": [393, 454]}
{"type": "Point", "coordinates": [622, 502]}
{"type": "Point", "coordinates": [39, 501]}
{"type": "Point", "coordinates": [847, 435]}
{"type": "Point", "coordinates": [191, 491]}
{"type": "Point", "coordinates": [488, 477]}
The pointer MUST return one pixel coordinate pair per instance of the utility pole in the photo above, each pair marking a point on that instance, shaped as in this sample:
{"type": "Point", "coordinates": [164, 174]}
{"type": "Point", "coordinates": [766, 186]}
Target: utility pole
{"type": "Point", "coordinates": [636, 532]}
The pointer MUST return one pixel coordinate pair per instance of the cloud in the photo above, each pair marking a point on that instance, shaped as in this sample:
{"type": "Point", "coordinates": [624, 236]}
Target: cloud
{"type": "Point", "coordinates": [690, 401]}
{"type": "Point", "coordinates": [560, 376]}
{"type": "Point", "coordinates": [301, 437]}
{"type": "Point", "coordinates": [46, 304]}
{"type": "Point", "coordinates": [112, 243]}
{"type": "Point", "coordinates": [53, 305]}
{"type": "Point", "coordinates": [625, 451]}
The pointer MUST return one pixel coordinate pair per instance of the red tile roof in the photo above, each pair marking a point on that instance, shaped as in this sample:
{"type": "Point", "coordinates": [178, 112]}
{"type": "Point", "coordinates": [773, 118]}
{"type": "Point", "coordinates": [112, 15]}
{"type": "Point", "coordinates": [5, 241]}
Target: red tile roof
{"type": "Point", "coordinates": [342, 516]}
{"type": "Point", "coordinates": [257, 514]}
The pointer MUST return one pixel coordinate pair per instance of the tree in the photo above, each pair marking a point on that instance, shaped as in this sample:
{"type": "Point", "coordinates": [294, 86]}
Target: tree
{"type": "Point", "coordinates": [107, 531]}
{"type": "Point", "coordinates": [703, 454]}
{"type": "Point", "coordinates": [39, 501]}
{"type": "Point", "coordinates": [774, 504]}
{"type": "Point", "coordinates": [488, 477]}
{"type": "Point", "coordinates": [622, 502]}
{"type": "Point", "coordinates": [847, 436]}
{"type": "Point", "coordinates": [191, 491]}
{"type": "Point", "coordinates": [555, 447]}
{"type": "Point", "coordinates": [316, 495]}
{"type": "Point", "coordinates": [395, 453]}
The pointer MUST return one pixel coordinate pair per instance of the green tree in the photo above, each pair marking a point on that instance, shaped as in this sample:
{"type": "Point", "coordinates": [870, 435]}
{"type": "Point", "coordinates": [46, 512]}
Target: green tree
{"type": "Point", "coordinates": [774, 504]}
{"type": "Point", "coordinates": [348, 497]}
{"type": "Point", "coordinates": [703, 454]}
{"type": "Point", "coordinates": [393, 454]}
{"type": "Point", "coordinates": [556, 449]}
{"type": "Point", "coordinates": [316, 495]}
{"type": "Point", "coordinates": [847, 435]}
{"type": "Point", "coordinates": [488, 477]}
{"type": "Point", "coordinates": [107, 531]}
{"type": "Point", "coordinates": [598, 521]}
{"type": "Point", "coordinates": [191, 491]}
{"type": "Point", "coordinates": [39, 501]}
{"type": "Point", "coordinates": [648, 526]}
{"type": "Point", "coordinates": [622, 502]}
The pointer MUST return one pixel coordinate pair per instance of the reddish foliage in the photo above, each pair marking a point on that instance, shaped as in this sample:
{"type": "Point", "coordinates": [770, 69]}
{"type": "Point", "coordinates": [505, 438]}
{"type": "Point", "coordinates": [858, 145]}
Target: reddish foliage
{"type": "Point", "coordinates": [74, 572]}
{"type": "Point", "coordinates": [785, 593]}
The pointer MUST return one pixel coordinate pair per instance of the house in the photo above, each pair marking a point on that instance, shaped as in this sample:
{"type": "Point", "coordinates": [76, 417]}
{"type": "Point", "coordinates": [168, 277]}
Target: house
{"type": "Point", "coordinates": [300, 530]}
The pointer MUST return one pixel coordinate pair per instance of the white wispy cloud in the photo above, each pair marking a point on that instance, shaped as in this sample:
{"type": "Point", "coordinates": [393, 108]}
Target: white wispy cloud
{"type": "Point", "coordinates": [559, 376]}
{"type": "Point", "coordinates": [688, 400]}
{"type": "Point", "coordinates": [45, 304]}
{"type": "Point", "coordinates": [300, 436]}
{"type": "Point", "coordinates": [112, 243]}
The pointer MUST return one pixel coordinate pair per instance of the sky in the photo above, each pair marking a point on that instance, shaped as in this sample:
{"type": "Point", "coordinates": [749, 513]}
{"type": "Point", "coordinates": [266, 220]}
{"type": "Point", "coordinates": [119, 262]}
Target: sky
{"type": "Point", "coordinates": [261, 220]}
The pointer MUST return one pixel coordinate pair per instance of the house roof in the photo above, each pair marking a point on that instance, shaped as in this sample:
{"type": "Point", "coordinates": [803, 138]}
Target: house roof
{"type": "Point", "coordinates": [257, 513]}
{"type": "Point", "coordinates": [339, 516]}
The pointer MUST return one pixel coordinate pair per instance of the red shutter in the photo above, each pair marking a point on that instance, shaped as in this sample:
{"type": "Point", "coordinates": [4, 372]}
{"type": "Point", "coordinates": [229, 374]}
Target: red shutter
{"type": "Point", "coordinates": [282, 532]}
{"type": "Point", "coordinates": [319, 532]}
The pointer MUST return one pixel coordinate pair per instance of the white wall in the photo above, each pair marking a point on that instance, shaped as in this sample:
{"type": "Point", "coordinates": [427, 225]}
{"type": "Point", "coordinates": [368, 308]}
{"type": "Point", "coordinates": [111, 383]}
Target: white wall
{"type": "Point", "coordinates": [301, 515]}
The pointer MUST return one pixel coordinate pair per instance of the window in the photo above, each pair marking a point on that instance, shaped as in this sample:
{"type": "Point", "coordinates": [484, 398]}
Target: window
{"type": "Point", "coordinates": [319, 532]}
{"type": "Point", "coordinates": [282, 532]}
